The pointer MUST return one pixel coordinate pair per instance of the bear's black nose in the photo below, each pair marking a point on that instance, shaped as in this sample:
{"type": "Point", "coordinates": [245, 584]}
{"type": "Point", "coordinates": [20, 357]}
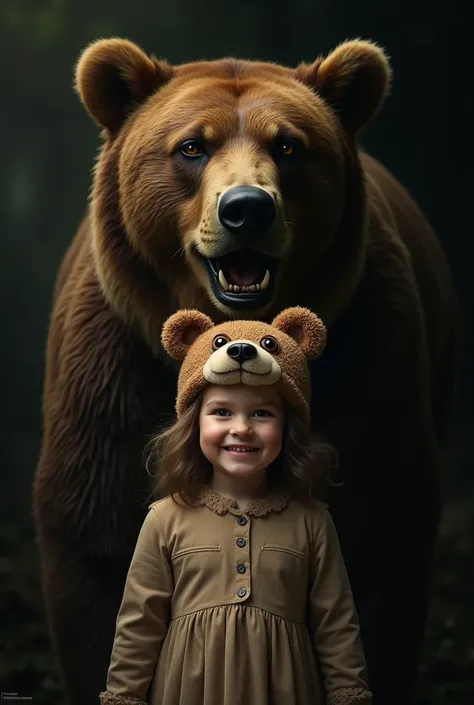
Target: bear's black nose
{"type": "Point", "coordinates": [242, 352]}
{"type": "Point", "coordinates": [247, 210]}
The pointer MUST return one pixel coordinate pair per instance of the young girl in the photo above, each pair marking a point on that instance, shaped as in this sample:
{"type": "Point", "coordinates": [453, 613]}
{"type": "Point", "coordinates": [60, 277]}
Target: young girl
{"type": "Point", "coordinates": [237, 593]}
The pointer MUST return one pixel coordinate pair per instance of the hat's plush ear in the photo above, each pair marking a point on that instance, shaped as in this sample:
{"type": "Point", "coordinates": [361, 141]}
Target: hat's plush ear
{"type": "Point", "coordinates": [353, 80]}
{"type": "Point", "coordinates": [181, 330]}
{"type": "Point", "coordinates": [304, 327]}
{"type": "Point", "coordinates": [115, 75]}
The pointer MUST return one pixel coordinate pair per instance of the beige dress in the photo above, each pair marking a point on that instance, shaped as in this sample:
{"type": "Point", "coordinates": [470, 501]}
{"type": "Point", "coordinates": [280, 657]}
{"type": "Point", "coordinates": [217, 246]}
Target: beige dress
{"type": "Point", "coordinates": [224, 607]}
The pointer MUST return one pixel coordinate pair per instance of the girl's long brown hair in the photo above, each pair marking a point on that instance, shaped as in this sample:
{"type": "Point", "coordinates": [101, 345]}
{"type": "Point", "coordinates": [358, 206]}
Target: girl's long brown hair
{"type": "Point", "coordinates": [175, 459]}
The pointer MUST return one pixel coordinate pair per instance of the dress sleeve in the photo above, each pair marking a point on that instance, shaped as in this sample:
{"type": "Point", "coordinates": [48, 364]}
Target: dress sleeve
{"type": "Point", "coordinates": [143, 618]}
{"type": "Point", "coordinates": [334, 623]}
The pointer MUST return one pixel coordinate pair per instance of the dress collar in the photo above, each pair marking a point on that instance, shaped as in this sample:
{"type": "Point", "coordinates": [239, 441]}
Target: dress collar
{"type": "Point", "coordinates": [219, 504]}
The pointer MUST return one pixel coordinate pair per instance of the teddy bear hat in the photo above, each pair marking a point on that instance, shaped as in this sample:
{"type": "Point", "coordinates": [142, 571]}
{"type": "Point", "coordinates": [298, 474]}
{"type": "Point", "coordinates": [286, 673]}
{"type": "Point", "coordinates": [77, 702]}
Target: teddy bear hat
{"type": "Point", "coordinates": [245, 352]}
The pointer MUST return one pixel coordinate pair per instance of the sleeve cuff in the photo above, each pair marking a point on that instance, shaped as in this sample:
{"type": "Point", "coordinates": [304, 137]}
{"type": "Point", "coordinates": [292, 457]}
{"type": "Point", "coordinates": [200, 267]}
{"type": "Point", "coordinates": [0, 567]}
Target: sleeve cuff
{"type": "Point", "coordinates": [107, 698]}
{"type": "Point", "coordinates": [347, 696]}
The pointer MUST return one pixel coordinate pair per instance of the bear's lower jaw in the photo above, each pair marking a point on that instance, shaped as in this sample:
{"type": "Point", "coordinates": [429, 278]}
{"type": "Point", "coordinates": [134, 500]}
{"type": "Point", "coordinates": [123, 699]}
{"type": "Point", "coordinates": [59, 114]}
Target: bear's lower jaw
{"type": "Point", "coordinates": [254, 296]}
{"type": "Point", "coordinates": [241, 300]}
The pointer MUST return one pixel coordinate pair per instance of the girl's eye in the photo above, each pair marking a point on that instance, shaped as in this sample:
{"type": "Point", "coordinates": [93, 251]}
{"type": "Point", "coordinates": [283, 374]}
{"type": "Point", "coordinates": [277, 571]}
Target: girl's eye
{"type": "Point", "coordinates": [270, 344]}
{"type": "Point", "coordinates": [192, 149]}
{"type": "Point", "coordinates": [219, 341]}
{"type": "Point", "coordinates": [262, 413]}
{"type": "Point", "coordinates": [221, 412]}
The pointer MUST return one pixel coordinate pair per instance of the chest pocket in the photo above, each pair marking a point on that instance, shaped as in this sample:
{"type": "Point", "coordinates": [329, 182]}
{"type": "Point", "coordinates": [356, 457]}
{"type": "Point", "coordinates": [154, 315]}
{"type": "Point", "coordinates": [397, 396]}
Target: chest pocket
{"type": "Point", "coordinates": [284, 571]}
{"type": "Point", "coordinates": [196, 564]}
{"type": "Point", "coordinates": [284, 549]}
{"type": "Point", "coordinates": [195, 549]}
{"type": "Point", "coordinates": [195, 569]}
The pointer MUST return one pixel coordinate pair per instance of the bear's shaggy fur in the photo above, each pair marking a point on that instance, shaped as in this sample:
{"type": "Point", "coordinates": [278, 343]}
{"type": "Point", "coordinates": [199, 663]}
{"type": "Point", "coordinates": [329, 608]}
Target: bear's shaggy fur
{"type": "Point", "coordinates": [339, 235]}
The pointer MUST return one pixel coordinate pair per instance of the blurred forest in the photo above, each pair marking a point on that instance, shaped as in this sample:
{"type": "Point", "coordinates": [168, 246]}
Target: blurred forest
{"type": "Point", "coordinates": [47, 148]}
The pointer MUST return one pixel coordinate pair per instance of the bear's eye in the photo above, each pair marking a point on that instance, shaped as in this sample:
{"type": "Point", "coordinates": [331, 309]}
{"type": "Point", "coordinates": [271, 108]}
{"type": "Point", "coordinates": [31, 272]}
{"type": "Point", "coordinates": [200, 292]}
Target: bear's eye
{"type": "Point", "coordinates": [219, 341]}
{"type": "Point", "coordinates": [285, 149]}
{"type": "Point", "coordinates": [270, 344]}
{"type": "Point", "coordinates": [191, 148]}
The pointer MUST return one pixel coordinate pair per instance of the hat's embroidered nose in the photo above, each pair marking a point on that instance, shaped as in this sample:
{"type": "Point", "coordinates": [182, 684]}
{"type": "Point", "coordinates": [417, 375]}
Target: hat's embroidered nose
{"type": "Point", "coordinates": [240, 352]}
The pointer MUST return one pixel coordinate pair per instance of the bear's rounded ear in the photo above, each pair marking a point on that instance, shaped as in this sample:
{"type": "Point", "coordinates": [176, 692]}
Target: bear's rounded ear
{"type": "Point", "coordinates": [354, 80]}
{"type": "Point", "coordinates": [115, 75]}
{"type": "Point", "coordinates": [181, 330]}
{"type": "Point", "coordinates": [304, 327]}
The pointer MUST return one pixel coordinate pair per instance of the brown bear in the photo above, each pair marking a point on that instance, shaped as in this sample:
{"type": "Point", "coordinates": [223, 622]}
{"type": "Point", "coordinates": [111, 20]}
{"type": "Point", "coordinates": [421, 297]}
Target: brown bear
{"type": "Point", "coordinates": [238, 188]}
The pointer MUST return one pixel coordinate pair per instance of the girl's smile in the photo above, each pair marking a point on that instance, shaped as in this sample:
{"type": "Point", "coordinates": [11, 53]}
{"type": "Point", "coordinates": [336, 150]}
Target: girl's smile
{"type": "Point", "coordinates": [241, 450]}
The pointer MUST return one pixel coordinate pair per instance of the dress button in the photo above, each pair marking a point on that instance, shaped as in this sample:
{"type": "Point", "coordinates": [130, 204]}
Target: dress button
{"type": "Point", "coordinates": [241, 568]}
{"type": "Point", "coordinates": [242, 521]}
{"type": "Point", "coordinates": [241, 592]}
{"type": "Point", "coordinates": [241, 542]}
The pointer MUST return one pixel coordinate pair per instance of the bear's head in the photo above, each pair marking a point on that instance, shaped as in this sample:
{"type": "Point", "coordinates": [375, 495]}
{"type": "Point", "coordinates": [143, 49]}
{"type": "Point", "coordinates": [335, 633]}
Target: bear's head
{"type": "Point", "coordinates": [245, 352]}
{"type": "Point", "coordinates": [229, 186]}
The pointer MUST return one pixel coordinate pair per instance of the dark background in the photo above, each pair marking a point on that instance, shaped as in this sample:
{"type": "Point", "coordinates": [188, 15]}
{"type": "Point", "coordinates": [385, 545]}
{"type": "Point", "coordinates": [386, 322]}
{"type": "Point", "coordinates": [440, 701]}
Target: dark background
{"type": "Point", "coordinates": [47, 150]}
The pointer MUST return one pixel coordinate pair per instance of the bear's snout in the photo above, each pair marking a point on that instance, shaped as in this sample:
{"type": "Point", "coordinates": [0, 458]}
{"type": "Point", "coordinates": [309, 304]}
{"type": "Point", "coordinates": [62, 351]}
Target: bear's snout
{"type": "Point", "coordinates": [240, 352]}
{"type": "Point", "coordinates": [247, 210]}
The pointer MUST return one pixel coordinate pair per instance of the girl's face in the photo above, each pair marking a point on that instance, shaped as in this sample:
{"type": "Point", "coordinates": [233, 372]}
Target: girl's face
{"type": "Point", "coordinates": [241, 429]}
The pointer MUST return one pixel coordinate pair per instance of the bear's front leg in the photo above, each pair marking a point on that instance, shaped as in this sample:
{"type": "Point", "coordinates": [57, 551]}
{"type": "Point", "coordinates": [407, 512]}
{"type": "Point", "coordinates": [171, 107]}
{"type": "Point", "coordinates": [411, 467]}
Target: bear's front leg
{"type": "Point", "coordinates": [82, 596]}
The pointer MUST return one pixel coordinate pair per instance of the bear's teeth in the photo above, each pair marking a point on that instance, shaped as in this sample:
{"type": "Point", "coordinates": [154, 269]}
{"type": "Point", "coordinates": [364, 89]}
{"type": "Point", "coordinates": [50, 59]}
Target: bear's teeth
{"type": "Point", "coordinates": [236, 289]}
{"type": "Point", "coordinates": [266, 280]}
{"type": "Point", "coordinates": [223, 281]}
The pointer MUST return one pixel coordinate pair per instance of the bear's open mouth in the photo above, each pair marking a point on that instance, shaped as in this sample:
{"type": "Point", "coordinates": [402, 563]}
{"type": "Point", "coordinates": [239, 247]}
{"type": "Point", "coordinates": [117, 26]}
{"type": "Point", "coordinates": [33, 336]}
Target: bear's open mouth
{"type": "Point", "coordinates": [242, 279]}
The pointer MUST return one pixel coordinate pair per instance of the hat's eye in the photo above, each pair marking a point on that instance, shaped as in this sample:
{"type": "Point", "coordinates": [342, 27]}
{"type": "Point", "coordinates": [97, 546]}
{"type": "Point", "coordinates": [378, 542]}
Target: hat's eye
{"type": "Point", "coordinates": [270, 344]}
{"type": "Point", "coordinates": [219, 341]}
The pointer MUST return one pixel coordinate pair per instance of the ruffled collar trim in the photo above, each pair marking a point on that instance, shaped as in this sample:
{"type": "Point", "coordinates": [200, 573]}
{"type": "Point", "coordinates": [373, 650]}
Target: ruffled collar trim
{"type": "Point", "coordinates": [219, 504]}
